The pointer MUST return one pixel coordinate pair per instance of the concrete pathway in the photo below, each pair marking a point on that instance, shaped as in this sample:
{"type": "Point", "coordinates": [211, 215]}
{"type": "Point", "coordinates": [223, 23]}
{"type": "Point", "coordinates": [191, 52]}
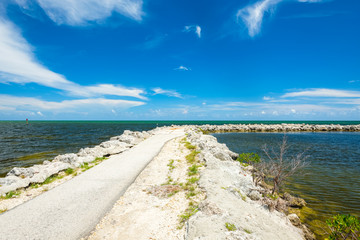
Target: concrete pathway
{"type": "Point", "coordinates": [72, 210]}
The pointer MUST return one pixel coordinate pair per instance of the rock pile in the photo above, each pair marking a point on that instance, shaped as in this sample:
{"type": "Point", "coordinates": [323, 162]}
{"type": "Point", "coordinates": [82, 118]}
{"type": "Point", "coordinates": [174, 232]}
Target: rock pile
{"type": "Point", "coordinates": [23, 177]}
{"type": "Point", "coordinates": [232, 199]}
{"type": "Point", "coordinates": [284, 127]}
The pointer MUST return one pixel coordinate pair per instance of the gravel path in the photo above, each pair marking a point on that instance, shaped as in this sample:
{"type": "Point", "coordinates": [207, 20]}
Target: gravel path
{"type": "Point", "coordinates": [72, 210]}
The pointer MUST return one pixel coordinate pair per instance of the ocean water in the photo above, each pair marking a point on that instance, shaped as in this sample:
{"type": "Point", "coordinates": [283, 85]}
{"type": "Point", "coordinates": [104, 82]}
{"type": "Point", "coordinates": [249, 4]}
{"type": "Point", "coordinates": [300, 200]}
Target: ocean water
{"type": "Point", "coordinates": [330, 184]}
{"type": "Point", "coordinates": [23, 145]}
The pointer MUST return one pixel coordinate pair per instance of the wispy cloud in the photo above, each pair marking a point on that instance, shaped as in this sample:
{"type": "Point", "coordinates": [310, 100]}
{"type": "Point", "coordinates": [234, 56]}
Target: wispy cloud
{"type": "Point", "coordinates": [193, 28]}
{"type": "Point", "coordinates": [267, 98]}
{"type": "Point", "coordinates": [354, 81]}
{"type": "Point", "coordinates": [19, 65]}
{"type": "Point", "coordinates": [37, 105]}
{"type": "Point", "coordinates": [253, 15]}
{"type": "Point", "coordinates": [182, 68]}
{"type": "Point", "coordinates": [310, 1]}
{"type": "Point", "coordinates": [82, 12]}
{"type": "Point", "coordinates": [170, 93]}
{"type": "Point", "coordinates": [323, 92]}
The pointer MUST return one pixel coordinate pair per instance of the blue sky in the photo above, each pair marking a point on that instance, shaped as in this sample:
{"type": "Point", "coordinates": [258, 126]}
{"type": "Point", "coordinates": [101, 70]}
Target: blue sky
{"type": "Point", "coordinates": [180, 60]}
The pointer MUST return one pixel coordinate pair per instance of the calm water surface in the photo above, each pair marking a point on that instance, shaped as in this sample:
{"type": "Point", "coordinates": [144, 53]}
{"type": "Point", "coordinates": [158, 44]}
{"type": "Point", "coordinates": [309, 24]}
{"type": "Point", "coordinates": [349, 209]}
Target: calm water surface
{"type": "Point", "coordinates": [331, 184]}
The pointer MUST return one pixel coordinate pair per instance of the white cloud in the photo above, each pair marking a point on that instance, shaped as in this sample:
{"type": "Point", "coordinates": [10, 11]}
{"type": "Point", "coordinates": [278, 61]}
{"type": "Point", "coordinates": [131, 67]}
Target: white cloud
{"type": "Point", "coordinates": [267, 98]}
{"type": "Point", "coordinates": [182, 68]}
{"type": "Point", "coordinates": [323, 92]}
{"type": "Point", "coordinates": [34, 104]}
{"type": "Point", "coordinates": [185, 111]}
{"type": "Point", "coordinates": [310, 1]}
{"type": "Point", "coordinates": [18, 65]}
{"type": "Point", "coordinates": [293, 110]}
{"type": "Point", "coordinates": [113, 111]}
{"type": "Point", "coordinates": [170, 93]}
{"type": "Point", "coordinates": [193, 28]}
{"type": "Point", "coordinates": [263, 112]}
{"type": "Point", "coordinates": [81, 12]}
{"type": "Point", "coordinates": [40, 114]}
{"type": "Point", "coordinates": [253, 15]}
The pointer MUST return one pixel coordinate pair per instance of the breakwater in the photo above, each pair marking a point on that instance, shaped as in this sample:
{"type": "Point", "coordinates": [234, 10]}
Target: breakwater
{"type": "Point", "coordinates": [284, 127]}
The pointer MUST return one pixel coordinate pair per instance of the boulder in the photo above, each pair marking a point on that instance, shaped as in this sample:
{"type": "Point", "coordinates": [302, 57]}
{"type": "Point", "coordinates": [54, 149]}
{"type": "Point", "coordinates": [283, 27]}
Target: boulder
{"type": "Point", "coordinates": [70, 158]}
{"type": "Point", "coordinates": [95, 152]}
{"type": "Point", "coordinates": [254, 195]}
{"type": "Point", "coordinates": [294, 219]}
{"type": "Point", "coordinates": [45, 171]}
{"type": "Point", "coordinates": [294, 202]}
{"type": "Point", "coordinates": [12, 183]}
{"type": "Point", "coordinates": [21, 172]}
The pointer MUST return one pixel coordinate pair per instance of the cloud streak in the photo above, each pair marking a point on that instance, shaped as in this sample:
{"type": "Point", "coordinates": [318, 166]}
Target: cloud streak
{"type": "Point", "coordinates": [323, 92]}
{"type": "Point", "coordinates": [82, 12]}
{"type": "Point", "coordinates": [169, 93]}
{"type": "Point", "coordinates": [9, 102]}
{"type": "Point", "coordinates": [19, 65]}
{"type": "Point", "coordinates": [182, 68]}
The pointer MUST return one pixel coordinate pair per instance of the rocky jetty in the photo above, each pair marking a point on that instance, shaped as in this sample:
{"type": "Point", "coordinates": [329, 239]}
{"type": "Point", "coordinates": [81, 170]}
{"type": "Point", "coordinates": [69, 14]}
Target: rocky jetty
{"type": "Point", "coordinates": [284, 127]}
{"type": "Point", "coordinates": [22, 177]}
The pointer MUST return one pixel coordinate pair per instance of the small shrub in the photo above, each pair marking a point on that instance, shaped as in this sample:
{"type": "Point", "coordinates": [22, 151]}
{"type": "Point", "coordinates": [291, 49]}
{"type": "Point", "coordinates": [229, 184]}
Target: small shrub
{"type": "Point", "coordinates": [344, 227]}
{"type": "Point", "coordinates": [249, 158]}
{"type": "Point", "coordinates": [193, 170]}
{"type": "Point", "coordinates": [230, 226]}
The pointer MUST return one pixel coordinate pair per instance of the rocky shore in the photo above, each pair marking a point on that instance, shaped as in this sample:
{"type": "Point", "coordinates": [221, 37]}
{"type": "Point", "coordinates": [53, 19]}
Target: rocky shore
{"type": "Point", "coordinates": [19, 178]}
{"type": "Point", "coordinates": [194, 189]}
{"type": "Point", "coordinates": [284, 127]}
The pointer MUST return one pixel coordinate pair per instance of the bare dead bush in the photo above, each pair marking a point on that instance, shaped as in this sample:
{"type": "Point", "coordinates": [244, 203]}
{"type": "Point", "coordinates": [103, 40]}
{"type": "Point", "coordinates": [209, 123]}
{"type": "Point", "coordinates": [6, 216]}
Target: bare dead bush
{"type": "Point", "coordinates": [279, 167]}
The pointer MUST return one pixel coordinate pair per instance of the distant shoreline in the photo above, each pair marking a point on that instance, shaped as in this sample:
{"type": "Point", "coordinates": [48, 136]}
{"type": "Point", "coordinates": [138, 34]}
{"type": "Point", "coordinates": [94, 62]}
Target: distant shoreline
{"type": "Point", "coordinates": [196, 122]}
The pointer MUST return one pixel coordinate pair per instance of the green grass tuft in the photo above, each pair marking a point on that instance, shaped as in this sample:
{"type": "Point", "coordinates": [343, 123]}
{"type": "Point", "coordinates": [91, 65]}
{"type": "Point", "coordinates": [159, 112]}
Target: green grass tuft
{"type": "Point", "coordinates": [230, 226]}
{"type": "Point", "coordinates": [69, 171]}
{"type": "Point", "coordinates": [11, 194]}
{"type": "Point", "coordinates": [192, 156]}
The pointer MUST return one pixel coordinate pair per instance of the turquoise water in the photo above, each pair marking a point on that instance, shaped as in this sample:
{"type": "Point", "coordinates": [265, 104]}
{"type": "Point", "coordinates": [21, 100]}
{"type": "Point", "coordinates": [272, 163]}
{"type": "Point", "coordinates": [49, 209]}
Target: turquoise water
{"type": "Point", "coordinates": [330, 184]}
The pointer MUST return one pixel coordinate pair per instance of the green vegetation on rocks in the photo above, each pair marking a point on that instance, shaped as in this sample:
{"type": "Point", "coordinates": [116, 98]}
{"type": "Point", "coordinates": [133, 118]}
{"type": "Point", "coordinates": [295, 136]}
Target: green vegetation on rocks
{"type": "Point", "coordinates": [344, 227]}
